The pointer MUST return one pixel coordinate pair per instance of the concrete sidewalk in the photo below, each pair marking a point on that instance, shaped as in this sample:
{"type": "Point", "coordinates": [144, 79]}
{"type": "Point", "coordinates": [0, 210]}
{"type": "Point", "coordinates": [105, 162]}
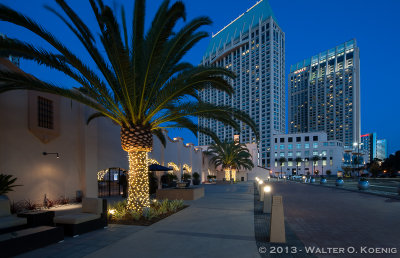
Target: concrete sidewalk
{"type": "Point", "coordinates": [219, 225]}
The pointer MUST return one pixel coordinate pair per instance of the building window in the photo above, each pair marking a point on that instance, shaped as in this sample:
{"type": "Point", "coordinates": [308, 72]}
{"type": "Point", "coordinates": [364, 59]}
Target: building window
{"type": "Point", "coordinates": [276, 154]}
{"type": "Point", "coordinates": [282, 140]}
{"type": "Point", "coordinates": [315, 145]}
{"type": "Point", "coordinates": [282, 146]}
{"type": "Point", "coordinates": [298, 139]}
{"type": "Point", "coordinates": [290, 146]}
{"type": "Point", "coordinates": [298, 153]}
{"type": "Point", "coordinates": [307, 138]}
{"type": "Point", "coordinates": [290, 163]}
{"type": "Point", "coordinates": [315, 138]}
{"type": "Point", "coordinates": [290, 154]}
{"type": "Point", "coordinates": [315, 153]}
{"type": "Point", "coordinates": [290, 139]}
{"type": "Point", "coordinates": [298, 145]}
{"type": "Point", "coordinates": [45, 113]}
{"type": "Point", "coordinates": [282, 154]}
{"type": "Point", "coordinates": [307, 153]}
{"type": "Point", "coordinates": [307, 145]}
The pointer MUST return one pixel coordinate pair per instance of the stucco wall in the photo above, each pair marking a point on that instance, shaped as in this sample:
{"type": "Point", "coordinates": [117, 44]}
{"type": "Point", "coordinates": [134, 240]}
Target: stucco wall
{"type": "Point", "coordinates": [83, 149]}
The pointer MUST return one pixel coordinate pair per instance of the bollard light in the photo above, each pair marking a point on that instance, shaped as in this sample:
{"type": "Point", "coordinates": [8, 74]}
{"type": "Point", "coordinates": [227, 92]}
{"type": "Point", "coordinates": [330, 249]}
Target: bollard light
{"type": "Point", "coordinates": [267, 189]}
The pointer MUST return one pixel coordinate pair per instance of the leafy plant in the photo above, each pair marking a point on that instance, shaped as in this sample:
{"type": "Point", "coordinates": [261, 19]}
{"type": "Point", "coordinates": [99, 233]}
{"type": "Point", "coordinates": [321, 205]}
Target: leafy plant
{"type": "Point", "coordinates": [7, 183]}
{"type": "Point", "coordinates": [196, 175]}
{"type": "Point", "coordinates": [30, 205]}
{"type": "Point", "coordinates": [328, 172]}
{"type": "Point", "coordinates": [186, 176]}
{"type": "Point", "coordinates": [63, 200]}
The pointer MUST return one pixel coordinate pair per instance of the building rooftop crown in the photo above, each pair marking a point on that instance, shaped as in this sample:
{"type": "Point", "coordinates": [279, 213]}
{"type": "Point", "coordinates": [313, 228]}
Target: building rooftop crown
{"type": "Point", "coordinates": [258, 12]}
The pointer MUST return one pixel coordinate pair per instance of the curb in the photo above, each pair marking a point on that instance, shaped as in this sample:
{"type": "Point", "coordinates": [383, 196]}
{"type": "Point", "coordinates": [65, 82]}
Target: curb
{"type": "Point", "coordinates": [352, 190]}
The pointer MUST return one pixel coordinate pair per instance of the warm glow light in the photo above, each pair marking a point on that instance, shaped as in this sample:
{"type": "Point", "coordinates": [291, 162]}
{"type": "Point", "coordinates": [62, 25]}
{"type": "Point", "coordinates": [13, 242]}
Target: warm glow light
{"type": "Point", "coordinates": [260, 182]}
{"type": "Point", "coordinates": [112, 211]}
{"type": "Point", "coordinates": [257, 178]}
{"type": "Point", "coordinates": [284, 177]}
{"type": "Point", "coordinates": [138, 177]}
{"type": "Point", "coordinates": [152, 161]}
{"type": "Point", "coordinates": [187, 168]}
{"type": "Point", "coordinates": [173, 165]}
{"type": "Point", "coordinates": [304, 177]}
{"type": "Point", "coordinates": [267, 189]}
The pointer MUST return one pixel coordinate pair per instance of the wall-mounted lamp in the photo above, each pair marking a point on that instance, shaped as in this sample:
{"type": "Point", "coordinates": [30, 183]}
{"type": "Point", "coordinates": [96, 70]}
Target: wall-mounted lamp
{"type": "Point", "coordinates": [49, 153]}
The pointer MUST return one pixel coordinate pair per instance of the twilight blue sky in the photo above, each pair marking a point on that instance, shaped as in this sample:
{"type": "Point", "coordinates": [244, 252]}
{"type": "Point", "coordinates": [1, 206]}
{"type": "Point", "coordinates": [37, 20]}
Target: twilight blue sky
{"type": "Point", "coordinates": [311, 26]}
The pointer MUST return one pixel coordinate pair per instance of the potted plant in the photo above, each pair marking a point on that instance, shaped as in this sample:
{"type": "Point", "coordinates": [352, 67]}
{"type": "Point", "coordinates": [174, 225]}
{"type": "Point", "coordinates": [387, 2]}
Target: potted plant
{"type": "Point", "coordinates": [339, 181]}
{"type": "Point", "coordinates": [328, 173]}
{"type": "Point", "coordinates": [323, 180]}
{"type": "Point", "coordinates": [196, 178]}
{"type": "Point", "coordinates": [186, 178]}
{"type": "Point", "coordinates": [6, 185]}
{"type": "Point", "coordinates": [363, 183]}
{"type": "Point", "coordinates": [312, 180]}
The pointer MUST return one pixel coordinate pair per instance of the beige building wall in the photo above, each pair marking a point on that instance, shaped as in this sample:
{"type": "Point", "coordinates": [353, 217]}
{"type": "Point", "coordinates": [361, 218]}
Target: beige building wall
{"type": "Point", "coordinates": [83, 149]}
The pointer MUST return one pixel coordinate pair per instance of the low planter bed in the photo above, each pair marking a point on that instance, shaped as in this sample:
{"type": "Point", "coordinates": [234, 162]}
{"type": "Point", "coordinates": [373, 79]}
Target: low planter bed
{"type": "Point", "coordinates": [118, 214]}
{"type": "Point", "coordinates": [187, 194]}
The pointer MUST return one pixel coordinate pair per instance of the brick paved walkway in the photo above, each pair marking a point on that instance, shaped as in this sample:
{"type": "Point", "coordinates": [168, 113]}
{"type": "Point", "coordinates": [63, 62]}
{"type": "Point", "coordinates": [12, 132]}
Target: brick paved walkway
{"type": "Point", "coordinates": [327, 217]}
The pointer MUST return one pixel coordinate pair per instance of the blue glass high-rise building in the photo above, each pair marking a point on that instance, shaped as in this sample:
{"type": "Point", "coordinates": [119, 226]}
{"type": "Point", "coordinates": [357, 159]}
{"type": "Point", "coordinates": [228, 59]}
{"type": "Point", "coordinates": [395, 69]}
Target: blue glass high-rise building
{"type": "Point", "coordinates": [252, 46]}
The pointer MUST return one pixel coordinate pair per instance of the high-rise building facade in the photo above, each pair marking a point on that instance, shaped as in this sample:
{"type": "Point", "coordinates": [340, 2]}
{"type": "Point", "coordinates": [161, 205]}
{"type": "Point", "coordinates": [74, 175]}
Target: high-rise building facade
{"type": "Point", "coordinates": [324, 94]}
{"type": "Point", "coordinates": [381, 149]}
{"type": "Point", "coordinates": [368, 142]}
{"type": "Point", "coordinates": [252, 46]}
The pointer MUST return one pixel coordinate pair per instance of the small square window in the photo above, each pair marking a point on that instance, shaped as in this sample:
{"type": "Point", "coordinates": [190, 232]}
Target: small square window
{"type": "Point", "coordinates": [282, 140]}
{"type": "Point", "coordinates": [290, 139]}
{"type": "Point", "coordinates": [315, 138]}
{"type": "Point", "coordinates": [307, 138]}
{"type": "Point", "coordinates": [298, 139]}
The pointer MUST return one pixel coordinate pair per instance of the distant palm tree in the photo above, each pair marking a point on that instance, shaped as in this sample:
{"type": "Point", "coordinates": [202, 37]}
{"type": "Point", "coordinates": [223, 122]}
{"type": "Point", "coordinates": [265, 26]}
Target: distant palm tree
{"type": "Point", "coordinates": [297, 160]}
{"type": "Point", "coordinates": [230, 155]}
{"type": "Point", "coordinates": [140, 81]}
{"type": "Point", "coordinates": [281, 161]}
{"type": "Point", "coordinates": [314, 160]}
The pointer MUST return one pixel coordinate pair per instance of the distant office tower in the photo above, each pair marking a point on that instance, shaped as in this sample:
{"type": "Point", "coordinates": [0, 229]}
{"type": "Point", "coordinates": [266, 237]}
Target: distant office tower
{"type": "Point", "coordinates": [369, 145]}
{"type": "Point", "coordinates": [324, 94]}
{"type": "Point", "coordinates": [13, 59]}
{"type": "Point", "coordinates": [381, 149]}
{"type": "Point", "coordinates": [252, 46]}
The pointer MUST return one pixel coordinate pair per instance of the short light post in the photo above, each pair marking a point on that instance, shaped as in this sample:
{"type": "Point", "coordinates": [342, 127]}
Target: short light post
{"type": "Point", "coordinates": [267, 199]}
{"type": "Point", "coordinates": [260, 188]}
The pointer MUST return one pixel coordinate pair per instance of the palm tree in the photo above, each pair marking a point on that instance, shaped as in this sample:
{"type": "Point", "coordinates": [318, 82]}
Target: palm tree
{"type": "Point", "coordinates": [281, 161]}
{"type": "Point", "coordinates": [140, 81]}
{"type": "Point", "coordinates": [297, 160]}
{"type": "Point", "coordinates": [230, 155]}
{"type": "Point", "coordinates": [314, 161]}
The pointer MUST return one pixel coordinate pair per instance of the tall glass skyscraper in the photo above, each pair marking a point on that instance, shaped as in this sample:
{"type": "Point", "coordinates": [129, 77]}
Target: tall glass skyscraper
{"type": "Point", "coordinates": [252, 46]}
{"type": "Point", "coordinates": [324, 94]}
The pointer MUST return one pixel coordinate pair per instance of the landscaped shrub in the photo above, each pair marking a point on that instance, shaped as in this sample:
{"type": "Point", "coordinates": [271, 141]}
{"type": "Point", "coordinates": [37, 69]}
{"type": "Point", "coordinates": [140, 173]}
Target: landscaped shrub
{"type": "Point", "coordinates": [186, 176]}
{"type": "Point", "coordinates": [30, 205]}
{"type": "Point", "coordinates": [63, 200]}
{"type": "Point", "coordinates": [7, 183]}
{"type": "Point", "coordinates": [118, 212]}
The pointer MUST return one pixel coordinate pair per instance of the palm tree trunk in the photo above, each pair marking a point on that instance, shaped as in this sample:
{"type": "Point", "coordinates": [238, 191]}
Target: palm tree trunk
{"type": "Point", "coordinates": [138, 181]}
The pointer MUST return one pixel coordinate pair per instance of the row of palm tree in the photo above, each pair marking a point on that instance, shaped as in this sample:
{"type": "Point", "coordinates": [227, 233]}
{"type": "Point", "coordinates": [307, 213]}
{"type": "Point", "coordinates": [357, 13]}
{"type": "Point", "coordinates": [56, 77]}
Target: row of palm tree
{"type": "Point", "coordinates": [230, 156]}
{"type": "Point", "coordinates": [139, 80]}
{"type": "Point", "coordinates": [298, 161]}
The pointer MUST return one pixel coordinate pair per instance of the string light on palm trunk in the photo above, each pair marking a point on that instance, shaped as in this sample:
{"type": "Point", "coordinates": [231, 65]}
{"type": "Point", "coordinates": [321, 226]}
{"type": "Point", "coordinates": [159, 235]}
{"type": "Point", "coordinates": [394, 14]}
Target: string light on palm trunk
{"type": "Point", "coordinates": [138, 192]}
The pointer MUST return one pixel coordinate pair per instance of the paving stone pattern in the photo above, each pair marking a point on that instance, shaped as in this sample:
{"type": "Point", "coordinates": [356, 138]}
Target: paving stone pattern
{"type": "Point", "coordinates": [293, 246]}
